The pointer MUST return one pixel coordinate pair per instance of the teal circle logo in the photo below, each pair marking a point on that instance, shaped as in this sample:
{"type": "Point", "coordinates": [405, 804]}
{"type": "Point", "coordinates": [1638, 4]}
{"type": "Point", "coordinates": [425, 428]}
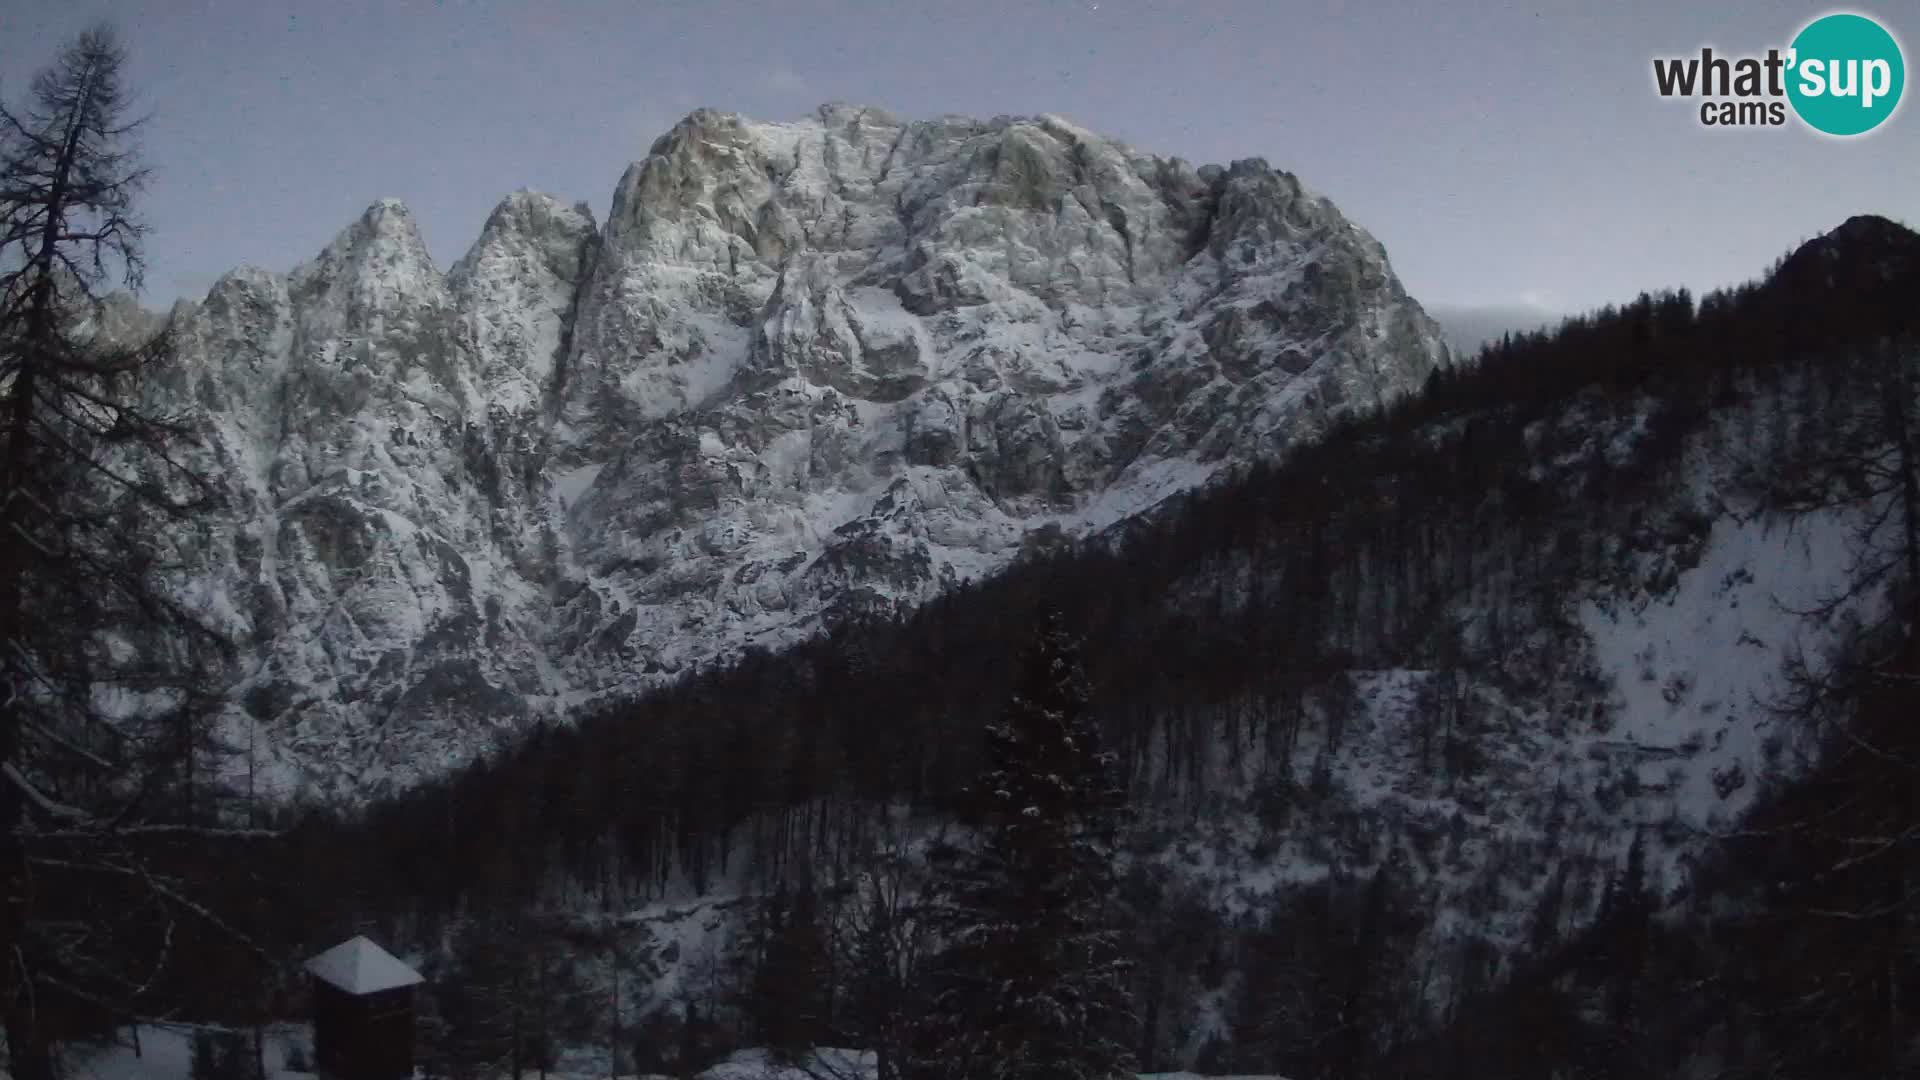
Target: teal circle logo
{"type": "Point", "coordinates": [1845, 74]}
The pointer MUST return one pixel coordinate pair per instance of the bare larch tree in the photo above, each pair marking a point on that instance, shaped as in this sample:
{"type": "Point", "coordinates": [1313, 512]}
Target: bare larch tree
{"type": "Point", "coordinates": [106, 677]}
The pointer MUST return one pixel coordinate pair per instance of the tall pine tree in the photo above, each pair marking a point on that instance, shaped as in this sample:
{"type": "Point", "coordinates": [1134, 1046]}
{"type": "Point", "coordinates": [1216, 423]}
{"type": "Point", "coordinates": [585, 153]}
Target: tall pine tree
{"type": "Point", "coordinates": [1030, 983]}
{"type": "Point", "coordinates": [109, 678]}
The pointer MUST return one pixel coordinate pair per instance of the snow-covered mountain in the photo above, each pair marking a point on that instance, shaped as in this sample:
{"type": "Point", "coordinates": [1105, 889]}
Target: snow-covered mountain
{"type": "Point", "coordinates": [803, 370]}
{"type": "Point", "coordinates": [1437, 685]}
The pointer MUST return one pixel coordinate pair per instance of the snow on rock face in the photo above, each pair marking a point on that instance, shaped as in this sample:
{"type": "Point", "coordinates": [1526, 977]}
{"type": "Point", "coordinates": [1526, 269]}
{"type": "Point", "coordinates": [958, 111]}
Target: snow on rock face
{"type": "Point", "coordinates": [803, 369]}
{"type": "Point", "coordinates": [514, 293]}
{"type": "Point", "coordinates": [380, 439]}
{"type": "Point", "coordinates": [853, 359]}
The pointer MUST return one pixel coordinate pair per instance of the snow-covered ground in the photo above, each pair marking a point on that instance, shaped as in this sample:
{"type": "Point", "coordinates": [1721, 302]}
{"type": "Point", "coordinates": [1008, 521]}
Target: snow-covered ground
{"type": "Point", "coordinates": [166, 1054]}
{"type": "Point", "coordinates": [1695, 667]}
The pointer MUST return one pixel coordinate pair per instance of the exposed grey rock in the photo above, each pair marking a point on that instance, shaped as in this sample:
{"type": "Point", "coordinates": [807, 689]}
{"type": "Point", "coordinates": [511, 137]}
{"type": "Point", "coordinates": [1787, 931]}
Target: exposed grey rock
{"type": "Point", "coordinates": [803, 369]}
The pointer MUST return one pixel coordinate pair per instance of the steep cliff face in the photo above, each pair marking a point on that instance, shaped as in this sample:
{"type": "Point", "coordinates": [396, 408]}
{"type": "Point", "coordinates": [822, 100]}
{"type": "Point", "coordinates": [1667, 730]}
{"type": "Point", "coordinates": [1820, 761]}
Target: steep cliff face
{"type": "Point", "coordinates": [803, 369]}
{"type": "Point", "coordinates": [377, 426]}
{"type": "Point", "coordinates": [864, 358]}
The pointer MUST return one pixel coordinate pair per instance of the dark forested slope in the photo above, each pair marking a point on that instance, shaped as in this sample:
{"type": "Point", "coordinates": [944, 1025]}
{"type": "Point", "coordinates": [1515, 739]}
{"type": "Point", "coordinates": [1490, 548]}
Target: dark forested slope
{"type": "Point", "coordinates": [1444, 712]}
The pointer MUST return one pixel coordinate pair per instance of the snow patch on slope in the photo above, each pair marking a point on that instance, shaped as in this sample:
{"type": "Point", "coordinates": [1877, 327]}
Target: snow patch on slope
{"type": "Point", "coordinates": [1695, 670]}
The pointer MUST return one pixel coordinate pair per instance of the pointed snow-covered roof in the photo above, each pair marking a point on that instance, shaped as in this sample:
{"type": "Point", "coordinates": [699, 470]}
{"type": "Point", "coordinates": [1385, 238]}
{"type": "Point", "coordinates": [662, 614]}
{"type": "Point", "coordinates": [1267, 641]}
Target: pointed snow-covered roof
{"type": "Point", "coordinates": [359, 966]}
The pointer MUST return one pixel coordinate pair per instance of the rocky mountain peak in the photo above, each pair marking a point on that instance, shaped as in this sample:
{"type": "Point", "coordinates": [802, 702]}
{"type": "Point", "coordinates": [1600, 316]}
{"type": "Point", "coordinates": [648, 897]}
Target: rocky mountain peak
{"type": "Point", "coordinates": [539, 229]}
{"type": "Point", "coordinates": [690, 200]}
{"type": "Point", "coordinates": [514, 292]}
{"type": "Point", "coordinates": [376, 267]}
{"type": "Point", "coordinates": [385, 237]}
{"type": "Point", "coordinates": [805, 369]}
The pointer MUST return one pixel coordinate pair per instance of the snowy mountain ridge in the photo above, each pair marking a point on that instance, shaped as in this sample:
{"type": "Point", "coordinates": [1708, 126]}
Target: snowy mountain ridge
{"type": "Point", "coordinates": [1441, 685]}
{"type": "Point", "coordinates": [804, 370]}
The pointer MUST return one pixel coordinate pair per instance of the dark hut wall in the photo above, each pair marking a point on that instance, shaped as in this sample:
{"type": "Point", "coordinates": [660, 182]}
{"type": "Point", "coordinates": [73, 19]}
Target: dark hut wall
{"type": "Point", "coordinates": [368, 1037]}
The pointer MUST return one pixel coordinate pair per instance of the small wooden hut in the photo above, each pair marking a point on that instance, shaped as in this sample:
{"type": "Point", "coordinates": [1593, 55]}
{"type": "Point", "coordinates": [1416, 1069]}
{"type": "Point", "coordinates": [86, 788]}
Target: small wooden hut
{"type": "Point", "coordinates": [362, 1012]}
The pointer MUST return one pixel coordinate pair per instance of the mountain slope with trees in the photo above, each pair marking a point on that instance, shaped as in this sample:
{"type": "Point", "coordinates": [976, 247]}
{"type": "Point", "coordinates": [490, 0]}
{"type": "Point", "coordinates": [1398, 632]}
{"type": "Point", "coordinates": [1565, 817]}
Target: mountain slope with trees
{"type": "Point", "coordinates": [1467, 699]}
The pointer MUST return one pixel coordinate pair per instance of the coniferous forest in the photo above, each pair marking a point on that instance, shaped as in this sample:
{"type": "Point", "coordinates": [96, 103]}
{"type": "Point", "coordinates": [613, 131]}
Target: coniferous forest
{"type": "Point", "coordinates": [988, 836]}
{"type": "Point", "coordinates": [1201, 634]}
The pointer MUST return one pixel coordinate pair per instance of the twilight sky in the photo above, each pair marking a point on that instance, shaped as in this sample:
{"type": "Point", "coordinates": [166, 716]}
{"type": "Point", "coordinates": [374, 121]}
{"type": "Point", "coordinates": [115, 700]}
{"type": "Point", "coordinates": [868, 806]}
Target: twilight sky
{"type": "Point", "coordinates": [1505, 153]}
